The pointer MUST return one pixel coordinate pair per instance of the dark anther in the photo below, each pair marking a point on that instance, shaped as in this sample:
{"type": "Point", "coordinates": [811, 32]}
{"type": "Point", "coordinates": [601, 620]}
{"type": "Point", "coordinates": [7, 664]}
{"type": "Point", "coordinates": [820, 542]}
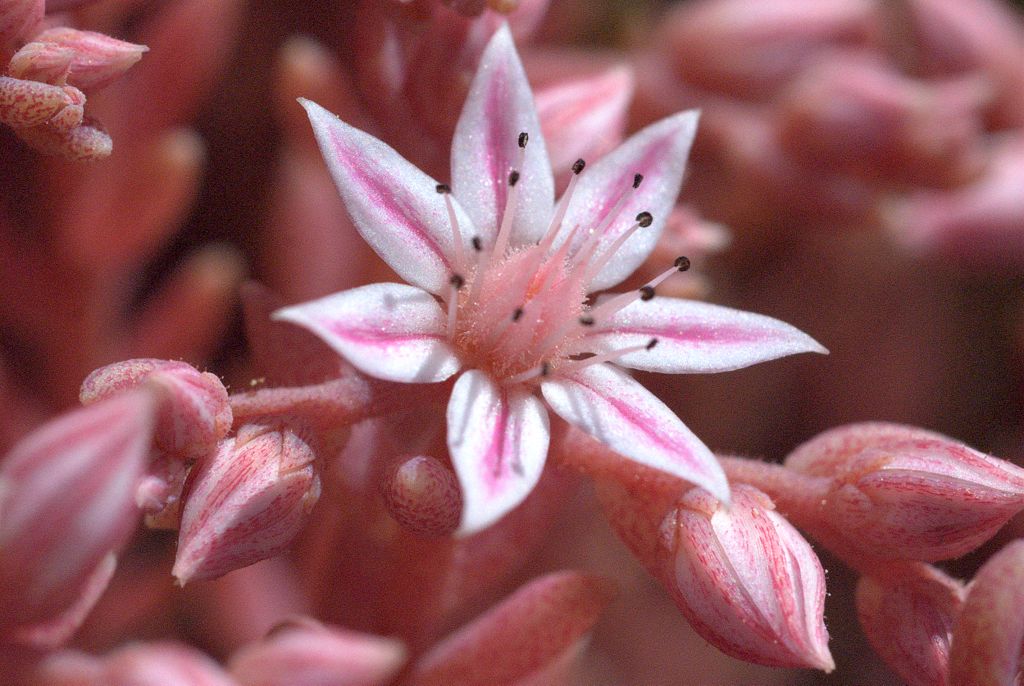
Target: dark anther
{"type": "Point", "coordinates": [682, 263]}
{"type": "Point", "coordinates": [457, 281]}
{"type": "Point", "coordinates": [523, 137]}
{"type": "Point", "coordinates": [637, 178]}
{"type": "Point", "coordinates": [646, 292]}
{"type": "Point", "coordinates": [513, 178]}
{"type": "Point", "coordinates": [478, 245]}
{"type": "Point", "coordinates": [651, 343]}
{"type": "Point", "coordinates": [587, 321]}
{"type": "Point", "coordinates": [443, 188]}
{"type": "Point", "coordinates": [644, 219]}
{"type": "Point", "coordinates": [545, 368]}
{"type": "Point", "coordinates": [578, 165]}
{"type": "Point", "coordinates": [517, 314]}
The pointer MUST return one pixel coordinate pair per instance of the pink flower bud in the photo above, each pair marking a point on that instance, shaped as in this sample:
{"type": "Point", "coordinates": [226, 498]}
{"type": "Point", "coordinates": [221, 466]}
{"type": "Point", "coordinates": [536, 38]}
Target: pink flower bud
{"type": "Point", "coordinates": [908, 616]}
{"type": "Point", "coordinates": [19, 18]}
{"type": "Point", "coordinates": [139, 664]}
{"type": "Point", "coordinates": [26, 104]}
{"type": "Point", "coordinates": [423, 496]}
{"type": "Point", "coordinates": [194, 412]}
{"type": "Point", "coordinates": [246, 501]}
{"type": "Point", "coordinates": [306, 653]}
{"type": "Point", "coordinates": [746, 580]}
{"type": "Point", "coordinates": [523, 635]}
{"type": "Point", "coordinates": [868, 120]}
{"type": "Point", "coordinates": [85, 143]}
{"type": "Point", "coordinates": [989, 631]}
{"type": "Point", "coordinates": [66, 502]}
{"type": "Point", "coordinates": [84, 59]}
{"type": "Point", "coordinates": [904, 493]}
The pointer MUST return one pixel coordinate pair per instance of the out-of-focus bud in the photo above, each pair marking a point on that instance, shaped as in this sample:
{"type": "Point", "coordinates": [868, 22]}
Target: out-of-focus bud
{"type": "Point", "coordinates": [980, 221]}
{"type": "Point", "coordinates": [854, 113]}
{"type": "Point", "coordinates": [734, 47]}
{"type": "Point", "coordinates": [423, 496]}
{"type": "Point", "coordinates": [139, 664]}
{"type": "Point", "coordinates": [246, 501]}
{"type": "Point", "coordinates": [584, 117]}
{"type": "Point", "coordinates": [84, 59]}
{"type": "Point", "coordinates": [304, 652]}
{"type": "Point", "coordinates": [907, 613]}
{"type": "Point", "coordinates": [66, 502]}
{"type": "Point", "coordinates": [25, 104]}
{"type": "Point", "coordinates": [904, 493]}
{"type": "Point", "coordinates": [989, 632]}
{"type": "Point", "coordinates": [19, 18]}
{"type": "Point", "coordinates": [194, 412]}
{"type": "Point", "coordinates": [531, 629]}
{"type": "Point", "coordinates": [746, 580]}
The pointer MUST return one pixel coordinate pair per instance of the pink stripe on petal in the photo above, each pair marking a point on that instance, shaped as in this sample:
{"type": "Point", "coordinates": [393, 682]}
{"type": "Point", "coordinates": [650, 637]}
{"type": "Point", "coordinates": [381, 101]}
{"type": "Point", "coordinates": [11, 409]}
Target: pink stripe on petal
{"type": "Point", "coordinates": [485, 149]}
{"type": "Point", "coordinates": [498, 441]}
{"type": "Point", "coordinates": [697, 337]}
{"type": "Point", "coordinates": [659, 153]}
{"type": "Point", "coordinates": [394, 205]}
{"type": "Point", "coordinates": [390, 331]}
{"type": "Point", "coordinates": [616, 410]}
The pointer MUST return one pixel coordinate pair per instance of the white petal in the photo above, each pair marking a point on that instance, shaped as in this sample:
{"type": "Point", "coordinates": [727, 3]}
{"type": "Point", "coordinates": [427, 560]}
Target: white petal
{"type": "Point", "coordinates": [659, 153]}
{"type": "Point", "coordinates": [695, 337]}
{"type": "Point", "coordinates": [498, 441]}
{"type": "Point", "coordinates": [388, 330]}
{"type": "Point", "coordinates": [616, 410]}
{"type": "Point", "coordinates": [485, 149]}
{"type": "Point", "coordinates": [395, 206]}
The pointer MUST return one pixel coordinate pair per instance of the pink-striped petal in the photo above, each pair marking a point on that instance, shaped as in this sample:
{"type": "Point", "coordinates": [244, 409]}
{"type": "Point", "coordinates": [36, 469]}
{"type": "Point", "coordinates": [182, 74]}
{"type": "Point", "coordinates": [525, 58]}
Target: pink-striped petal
{"type": "Point", "coordinates": [486, 149]}
{"type": "Point", "coordinates": [395, 206]}
{"type": "Point", "coordinates": [388, 330]}
{"type": "Point", "coordinates": [498, 441]}
{"type": "Point", "coordinates": [659, 153]}
{"type": "Point", "coordinates": [616, 410]}
{"type": "Point", "coordinates": [697, 337]}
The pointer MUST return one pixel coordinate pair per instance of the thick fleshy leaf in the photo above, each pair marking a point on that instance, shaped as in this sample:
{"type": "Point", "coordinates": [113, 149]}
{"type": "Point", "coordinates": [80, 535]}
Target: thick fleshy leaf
{"type": "Point", "coordinates": [394, 205]}
{"type": "Point", "coordinates": [498, 440]}
{"type": "Point", "coordinates": [697, 337]}
{"type": "Point", "coordinates": [486, 149]}
{"type": "Point", "coordinates": [616, 410]}
{"type": "Point", "coordinates": [659, 153]}
{"type": "Point", "coordinates": [388, 330]}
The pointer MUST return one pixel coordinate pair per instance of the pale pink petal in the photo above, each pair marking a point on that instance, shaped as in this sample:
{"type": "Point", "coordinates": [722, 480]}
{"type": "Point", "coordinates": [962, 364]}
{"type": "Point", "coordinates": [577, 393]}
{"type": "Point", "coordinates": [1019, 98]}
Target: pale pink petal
{"type": "Point", "coordinates": [616, 410]}
{"type": "Point", "coordinates": [658, 152]}
{"type": "Point", "coordinates": [394, 205]}
{"type": "Point", "coordinates": [388, 330]}
{"type": "Point", "coordinates": [697, 337]}
{"type": "Point", "coordinates": [498, 440]}
{"type": "Point", "coordinates": [486, 149]}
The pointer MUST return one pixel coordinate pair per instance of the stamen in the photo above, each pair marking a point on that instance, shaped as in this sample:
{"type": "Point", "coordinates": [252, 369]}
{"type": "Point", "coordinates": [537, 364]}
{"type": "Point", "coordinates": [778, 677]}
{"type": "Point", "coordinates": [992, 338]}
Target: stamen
{"type": "Point", "coordinates": [543, 369]}
{"type": "Point", "coordinates": [578, 166]}
{"type": "Point", "coordinates": [643, 220]}
{"type": "Point", "coordinates": [560, 210]}
{"type": "Point", "coordinates": [523, 138]}
{"type": "Point", "coordinates": [646, 292]}
{"type": "Point", "coordinates": [611, 356]}
{"type": "Point", "coordinates": [456, 283]}
{"type": "Point", "coordinates": [460, 257]}
{"type": "Point", "coordinates": [637, 179]}
{"type": "Point", "coordinates": [517, 314]}
{"type": "Point", "coordinates": [513, 178]}
{"type": "Point", "coordinates": [478, 245]}
{"type": "Point", "coordinates": [589, 247]}
{"type": "Point", "coordinates": [505, 231]}
{"type": "Point", "coordinates": [586, 320]}
{"type": "Point", "coordinates": [682, 263]}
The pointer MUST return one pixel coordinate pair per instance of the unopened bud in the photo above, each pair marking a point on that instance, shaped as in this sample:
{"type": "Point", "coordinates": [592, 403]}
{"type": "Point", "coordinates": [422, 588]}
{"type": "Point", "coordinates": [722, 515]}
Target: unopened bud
{"type": "Point", "coordinates": [142, 664]}
{"type": "Point", "coordinates": [908, 616]}
{"type": "Point", "coordinates": [84, 59]}
{"type": "Point", "coordinates": [84, 143]}
{"type": "Point", "coordinates": [66, 501]}
{"type": "Point", "coordinates": [746, 580]}
{"type": "Point", "coordinates": [903, 493]}
{"type": "Point", "coordinates": [18, 18]}
{"type": "Point", "coordinates": [246, 501]}
{"type": "Point", "coordinates": [193, 413]}
{"type": "Point", "coordinates": [423, 496]}
{"type": "Point", "coordinates": [306, 653]}
{"type": "Point", "coordinates": [25, 104]}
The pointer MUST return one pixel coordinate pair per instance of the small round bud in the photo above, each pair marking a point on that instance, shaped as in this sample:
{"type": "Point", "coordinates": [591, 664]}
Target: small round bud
{"type": "Point", "coordinates": [682, 263]}
{"type": "Point", "coordinates": [644, 219]}
{"type": "Point", "coordinates": [646, 292]}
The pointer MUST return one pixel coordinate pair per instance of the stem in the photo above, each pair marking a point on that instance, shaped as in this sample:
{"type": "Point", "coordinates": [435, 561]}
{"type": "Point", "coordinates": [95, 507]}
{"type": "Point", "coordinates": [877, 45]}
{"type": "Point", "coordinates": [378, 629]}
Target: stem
{"type": "Point", "coordinates": [798, 496]}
